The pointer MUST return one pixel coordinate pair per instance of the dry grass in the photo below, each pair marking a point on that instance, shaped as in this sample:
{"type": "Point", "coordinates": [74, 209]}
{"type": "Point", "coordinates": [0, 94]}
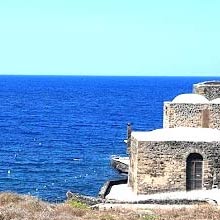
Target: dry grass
{"type": "Point", "coordinates": [202, 212]}
{"type": "Point", "coordinates": [17, 207]}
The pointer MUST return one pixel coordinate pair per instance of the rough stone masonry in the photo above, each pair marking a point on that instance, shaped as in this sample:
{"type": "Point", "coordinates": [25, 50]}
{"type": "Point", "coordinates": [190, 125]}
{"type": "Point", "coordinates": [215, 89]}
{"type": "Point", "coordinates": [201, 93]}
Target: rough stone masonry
{"type": "Point", "coordinates": [185, 153]}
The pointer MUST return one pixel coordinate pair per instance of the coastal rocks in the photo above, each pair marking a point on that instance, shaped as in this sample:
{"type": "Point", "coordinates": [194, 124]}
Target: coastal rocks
{"type": "Point", "coordinates": [88, 200]}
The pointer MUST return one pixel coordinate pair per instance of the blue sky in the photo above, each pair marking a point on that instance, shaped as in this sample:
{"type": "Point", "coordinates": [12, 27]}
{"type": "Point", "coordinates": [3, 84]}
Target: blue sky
{"type": "Point", "coordinates": [110, 37]}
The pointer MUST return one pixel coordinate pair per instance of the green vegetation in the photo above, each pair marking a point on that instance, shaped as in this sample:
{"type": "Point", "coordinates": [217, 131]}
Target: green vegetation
{"type": "Point", "coordinates": [149, 217]}
{"type": "Point", "coordinates": [78, 204]}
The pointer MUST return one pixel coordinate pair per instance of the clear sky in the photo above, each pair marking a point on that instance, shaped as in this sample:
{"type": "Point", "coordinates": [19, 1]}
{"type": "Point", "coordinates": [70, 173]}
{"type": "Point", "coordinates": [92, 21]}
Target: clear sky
{"type": "Point", "coordinates": [110, 37]}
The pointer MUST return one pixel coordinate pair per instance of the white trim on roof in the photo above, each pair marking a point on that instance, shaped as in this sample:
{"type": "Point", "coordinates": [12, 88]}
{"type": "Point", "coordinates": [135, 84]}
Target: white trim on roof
{"type": "Point", "coordinates": [179, 134]}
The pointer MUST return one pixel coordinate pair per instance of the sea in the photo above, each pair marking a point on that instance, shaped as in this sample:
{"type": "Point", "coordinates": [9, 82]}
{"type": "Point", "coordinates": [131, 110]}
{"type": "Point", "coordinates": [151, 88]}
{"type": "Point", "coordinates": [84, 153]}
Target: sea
{"type": "Point", "coordinates": [58, 133]}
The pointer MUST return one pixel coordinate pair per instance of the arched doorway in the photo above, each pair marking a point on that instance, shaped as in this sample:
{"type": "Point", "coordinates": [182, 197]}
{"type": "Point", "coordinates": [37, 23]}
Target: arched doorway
{"type": "Point", "coordinates": [194, 166]}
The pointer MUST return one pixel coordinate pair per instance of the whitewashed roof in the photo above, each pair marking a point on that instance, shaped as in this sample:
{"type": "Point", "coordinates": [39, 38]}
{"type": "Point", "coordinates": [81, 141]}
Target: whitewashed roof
{"type": "Point", "coordinates": [190, 98]}
{"type": "Point", "coordinates": [179, 134]}
{"type": "Point", "coordinates": [209, 83]}
{"type": "Point", "coordinates": [215, 101]}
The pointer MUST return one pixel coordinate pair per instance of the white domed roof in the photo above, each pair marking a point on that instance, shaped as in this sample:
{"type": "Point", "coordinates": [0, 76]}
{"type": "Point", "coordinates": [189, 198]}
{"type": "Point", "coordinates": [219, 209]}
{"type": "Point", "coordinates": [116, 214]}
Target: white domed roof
{"type": "Point", "coordinates": [190, 98]}
{"type": "Point", "coordinates": [216, 101]}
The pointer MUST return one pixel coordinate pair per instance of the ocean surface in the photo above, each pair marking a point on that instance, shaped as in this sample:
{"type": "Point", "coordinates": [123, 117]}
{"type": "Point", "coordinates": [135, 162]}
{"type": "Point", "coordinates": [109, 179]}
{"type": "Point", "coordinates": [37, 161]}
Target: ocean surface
{"type": "Point", "coordinates": [58, 133]}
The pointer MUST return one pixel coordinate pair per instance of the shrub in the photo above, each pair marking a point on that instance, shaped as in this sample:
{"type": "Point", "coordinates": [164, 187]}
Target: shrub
{"type": "Point", "coordinates": [78, 205]}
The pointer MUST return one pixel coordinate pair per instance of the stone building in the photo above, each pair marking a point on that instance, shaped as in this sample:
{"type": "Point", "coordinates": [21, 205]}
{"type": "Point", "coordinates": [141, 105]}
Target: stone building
{"type": "Point", "coordinates": [209, 89]}
{"type": "Point", "coordinates": [185, 153]}
{"type": "Point", "coordinates": [192, 110]}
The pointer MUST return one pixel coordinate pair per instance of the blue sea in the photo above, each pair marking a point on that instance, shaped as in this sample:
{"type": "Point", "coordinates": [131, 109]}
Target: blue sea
{"type": "Point", "coordinates": [57, 133]}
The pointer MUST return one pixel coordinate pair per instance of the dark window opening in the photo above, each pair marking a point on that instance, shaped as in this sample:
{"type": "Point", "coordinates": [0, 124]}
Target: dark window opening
{"type": "Point", "coordinates": [194, 166]}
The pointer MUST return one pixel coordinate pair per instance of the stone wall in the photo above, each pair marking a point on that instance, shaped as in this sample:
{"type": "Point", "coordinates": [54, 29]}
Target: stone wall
{"type": "Point", "coordinates": [214, 119]}
{"type": "Point", "coordinates": [132, 180]}
{"type": "Point", "coordinates": [211, 90]}
{"type": "Point", "coordinates": [191, 115]}
{"type": "Point", "coordinates": [161, 166]}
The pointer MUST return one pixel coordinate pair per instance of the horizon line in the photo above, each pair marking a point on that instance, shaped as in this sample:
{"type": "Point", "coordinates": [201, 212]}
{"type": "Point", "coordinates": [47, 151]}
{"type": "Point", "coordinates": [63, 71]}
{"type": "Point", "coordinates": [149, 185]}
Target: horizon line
{"type": "Point", "coordinates": [99, 75]}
